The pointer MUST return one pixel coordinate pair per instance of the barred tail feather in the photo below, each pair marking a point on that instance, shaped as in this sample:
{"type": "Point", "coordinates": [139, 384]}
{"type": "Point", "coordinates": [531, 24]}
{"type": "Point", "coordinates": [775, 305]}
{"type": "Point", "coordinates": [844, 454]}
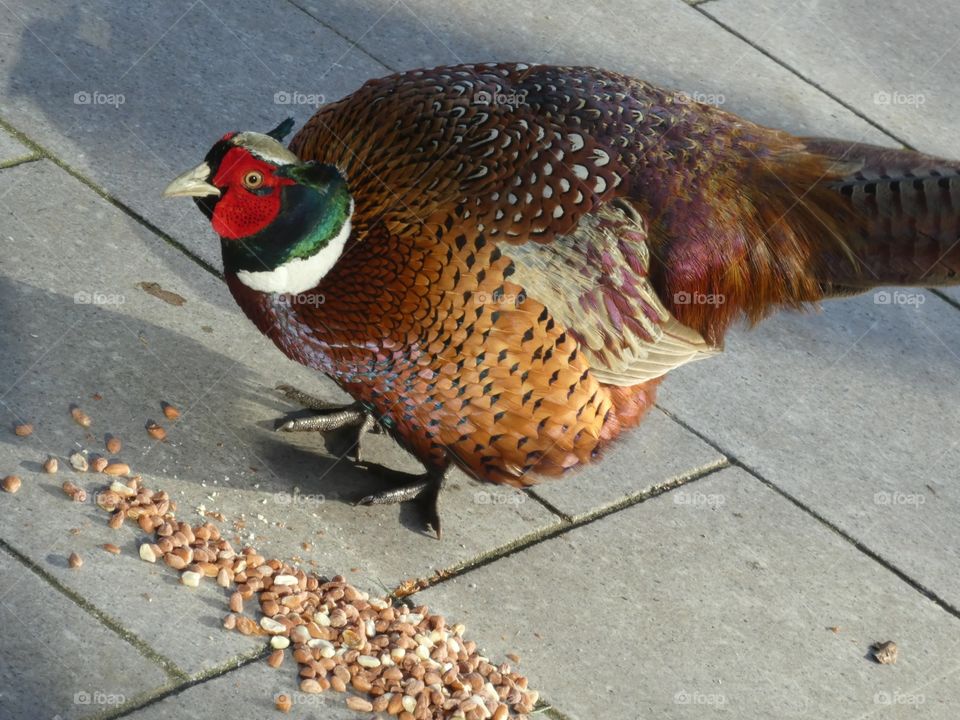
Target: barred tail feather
{"type": "Point", "coordinates": [908, 205]}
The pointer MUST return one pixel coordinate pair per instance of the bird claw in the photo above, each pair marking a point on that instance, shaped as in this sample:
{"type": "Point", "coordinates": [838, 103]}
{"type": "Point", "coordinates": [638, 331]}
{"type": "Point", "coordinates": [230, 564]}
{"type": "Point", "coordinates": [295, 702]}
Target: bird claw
{"type": "Point", "coordinates": [328, 417]}
{"type": "Point", "coordinates": [423, 489]}
{"type": "Point", "coordinates": [310, 402]}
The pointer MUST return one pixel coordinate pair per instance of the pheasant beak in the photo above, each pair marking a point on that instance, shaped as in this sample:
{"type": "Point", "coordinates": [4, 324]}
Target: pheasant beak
{"type": "Point", "coordinates": [192, 183]}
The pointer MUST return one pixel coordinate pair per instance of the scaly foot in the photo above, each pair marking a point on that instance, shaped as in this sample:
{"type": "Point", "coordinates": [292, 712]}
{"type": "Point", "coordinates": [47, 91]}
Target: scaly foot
{"type": "Point", "coordinates": [328, 417]}
{"type": "Point", "coordinates": [423, 489]}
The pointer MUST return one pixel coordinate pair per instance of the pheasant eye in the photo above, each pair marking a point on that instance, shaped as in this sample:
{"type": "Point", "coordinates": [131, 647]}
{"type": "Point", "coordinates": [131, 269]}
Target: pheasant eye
{"type": "Point", "coordinates": [252, 180]}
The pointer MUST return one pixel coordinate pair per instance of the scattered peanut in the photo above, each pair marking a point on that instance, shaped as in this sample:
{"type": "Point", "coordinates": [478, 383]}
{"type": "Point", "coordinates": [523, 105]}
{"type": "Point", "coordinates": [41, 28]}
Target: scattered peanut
{"type": "Point", "coordinates": [123, 490]}
{"type": "Point", "coordinates": [11, 483]}
{"type": "Point", "coordinates": [147, 553]}
{"type": "Point", "coordinates": [272, 626]}
{"type": "Point", "coordinates": [247, 626]}
{"type": "Point", "coordinates": [111, 548]}
{"type": "Point", "coordinates": [77, 494]}
{"type": "Point", "coordinates": [885, 653]}
{"type": "Point", "coordinates": [309, 685]}
{"type": "Point", "coordinates": [368, 661]}
{"type": "Point", "coordinates": [79, 416]}
{"type": "Point", "coordinates": [78, 461]}
{"type": "Point", "coordinates": [276, 659]}
{"type": "Point", "coordinates": [117, 468]}
{"type": "Point", "coordinates": [98, 464]}
{"type": "Point", "coordinates": [169, 411]}
{"type": "Point", "coordinates": [155, 431]}
{"type": "Point", "coordinates": [113, 444]}
{"type": "Point", "coordinates": [283, 703]}
{"type": "Point", "coordinates": [359, 704]}
{"type": "Point", "coordinates": [23, 429]}
{"type": "Point", "coordinates": [51, 465]}
{"type": "Point", "coordinates": [74, 560]}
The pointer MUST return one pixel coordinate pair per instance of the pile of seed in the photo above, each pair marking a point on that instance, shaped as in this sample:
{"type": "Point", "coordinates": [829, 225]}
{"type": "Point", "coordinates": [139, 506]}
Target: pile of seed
{"type": "Point", "coordinates": [393, 659]}
{"type": "Point", "coordinates": [408, 662]}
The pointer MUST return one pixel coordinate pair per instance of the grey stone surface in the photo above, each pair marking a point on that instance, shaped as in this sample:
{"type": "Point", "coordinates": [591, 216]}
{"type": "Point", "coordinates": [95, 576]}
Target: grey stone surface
{"type": "Point", "coordinates": [659, 451]}
{"type": "Point", "coordinates": [249, 692]}
{"type": "Point", "coordinates": [58, 661]}
{"type": "Point", "coordinates": [715, 599]}
{"type": "Point", "coordinates": [187, 72]}
{"type": "Point", "coordinates": [897, 68]}
{"type": "Point", "coordinates": [222, 453]}
{"type": "Point", "coordinates": [131, 99]}
{"type": "Point", "coordinates": [854, 411]}
{"type": "Point", "coordinates": [11, 149]}
{"type": "Point", "coordinates": [661, 41]}
{"type": "Point", "coordinates": [720, 593]}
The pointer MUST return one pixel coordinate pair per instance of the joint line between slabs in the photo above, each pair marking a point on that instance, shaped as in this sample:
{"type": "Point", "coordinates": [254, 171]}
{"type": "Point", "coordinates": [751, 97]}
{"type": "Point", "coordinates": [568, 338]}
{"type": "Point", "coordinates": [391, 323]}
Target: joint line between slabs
{"type": "Point", "coordinates": [128, 636]}
{"type": "Point", "coordinates": [943, 296]}
{"type": "Point", "coordinates": [14, 162]}
{"type": "Point", "coordinates": [564, 526]}
{"type": "Point", "coordinates": [554, 713]}
{"type": "Point", "coordinates": [734, 461]}
{"type": "Point", "coordinates": [863, 548]}
{"type": "Point", "coordinates": [354, 44]}
{"type": "Point", "coordinates": [700, 8]}
{"type": "Point", "coordinates": [232, 666]}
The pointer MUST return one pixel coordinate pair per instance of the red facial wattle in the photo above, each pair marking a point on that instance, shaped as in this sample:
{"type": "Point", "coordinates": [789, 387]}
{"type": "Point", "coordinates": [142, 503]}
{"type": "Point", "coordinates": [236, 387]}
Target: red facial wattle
{"type": "Point", "coordinates": [241, 212]}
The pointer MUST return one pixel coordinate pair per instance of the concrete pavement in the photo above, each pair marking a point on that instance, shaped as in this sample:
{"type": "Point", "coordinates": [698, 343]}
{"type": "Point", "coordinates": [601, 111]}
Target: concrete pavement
{"type": "Point", "coordinates": [804, 480]}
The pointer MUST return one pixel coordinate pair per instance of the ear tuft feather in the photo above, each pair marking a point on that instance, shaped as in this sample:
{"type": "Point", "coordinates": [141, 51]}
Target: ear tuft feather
{"type": "Point", "coordinates": [282, 130]}
{"type": "Point", "coordinates": [311, 173]}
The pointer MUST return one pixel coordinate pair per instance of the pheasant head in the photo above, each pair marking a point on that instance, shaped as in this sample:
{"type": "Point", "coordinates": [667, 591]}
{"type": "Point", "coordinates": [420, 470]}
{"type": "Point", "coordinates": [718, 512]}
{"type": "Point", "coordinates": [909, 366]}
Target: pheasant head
{"type": "Point", "coordinates": [282, 222]}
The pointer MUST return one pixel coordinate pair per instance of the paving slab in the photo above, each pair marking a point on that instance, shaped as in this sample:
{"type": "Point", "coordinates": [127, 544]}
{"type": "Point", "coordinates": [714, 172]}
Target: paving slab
{"type": "Point", "coordinates": [73, 263]}
{"type": "Point", "coordinates": [853, 411]}
{"type": "Point", "coordinates": [716, 599]}
{"type": "Point", "coordinates": [662, 41]}
{"type": "Point", "coordinates": [58, 661]}
{"type": "Point", "coordinates": [657, 453]}
{"type": "Point", "coordinates": [131, 99]}
{"type": "Point", "coordinates": [897, 68]}
{"type": "Point", "coordinates": [11, 149]}
{"type": "Point", "coordinates": [249, 692]}
{"type": "Point", "coordinates": [218, 369]}
{"type": "Point", "coordinates": [186, 72]}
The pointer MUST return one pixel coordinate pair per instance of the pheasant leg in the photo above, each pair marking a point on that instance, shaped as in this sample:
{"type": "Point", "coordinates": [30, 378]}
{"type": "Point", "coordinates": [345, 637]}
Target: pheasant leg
{"type": "Point", "coordinates": [328, 417]}
{"type": "Point", "coordinates": [423, 489]}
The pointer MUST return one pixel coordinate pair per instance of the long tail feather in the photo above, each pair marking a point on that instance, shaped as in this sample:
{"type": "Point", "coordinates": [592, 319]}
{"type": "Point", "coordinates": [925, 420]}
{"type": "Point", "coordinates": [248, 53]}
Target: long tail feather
{"type": "Point", "coordinates": [908, 205]}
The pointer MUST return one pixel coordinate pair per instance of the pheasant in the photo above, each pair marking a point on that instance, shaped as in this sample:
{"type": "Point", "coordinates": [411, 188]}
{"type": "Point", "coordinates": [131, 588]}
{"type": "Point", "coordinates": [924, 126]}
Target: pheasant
{"type": "Point", "coordinates": [500, 262]}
